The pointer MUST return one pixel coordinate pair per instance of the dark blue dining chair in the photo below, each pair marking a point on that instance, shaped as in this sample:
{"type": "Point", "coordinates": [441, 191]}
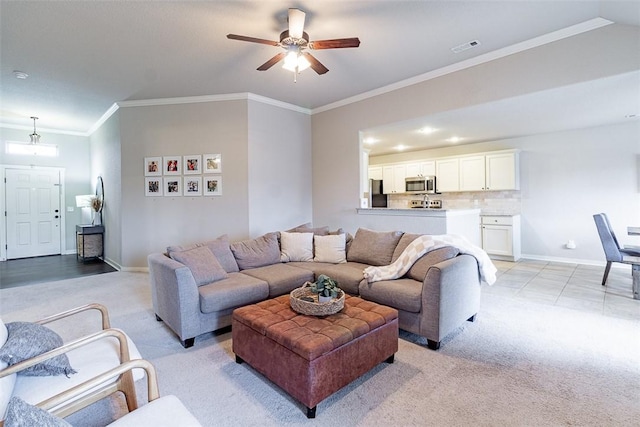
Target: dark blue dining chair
{"type": "Point", "coordinates": [614, 253]}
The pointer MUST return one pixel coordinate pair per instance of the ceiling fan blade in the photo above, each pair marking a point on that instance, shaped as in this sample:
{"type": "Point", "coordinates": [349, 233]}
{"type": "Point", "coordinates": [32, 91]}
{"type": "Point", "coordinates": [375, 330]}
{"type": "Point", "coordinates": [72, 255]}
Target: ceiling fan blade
{"type": "Point", "coordinates": [296, 23]}
{"type": "Point", "coordinates": [335, 43]}
{"type": "Point", "coordinates": [315, 64]}
{"type": "Point", "coordinates": [273, 61]}
{"type": "Point", "coordinates": [251, 39]}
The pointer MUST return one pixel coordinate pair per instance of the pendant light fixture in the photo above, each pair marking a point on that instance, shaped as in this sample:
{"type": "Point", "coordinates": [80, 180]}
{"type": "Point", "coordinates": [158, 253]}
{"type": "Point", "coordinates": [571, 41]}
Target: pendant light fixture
{"type": "Point", "coordinates": [35, 138]}
{"type": "Point", "coordinates": [33, 147]}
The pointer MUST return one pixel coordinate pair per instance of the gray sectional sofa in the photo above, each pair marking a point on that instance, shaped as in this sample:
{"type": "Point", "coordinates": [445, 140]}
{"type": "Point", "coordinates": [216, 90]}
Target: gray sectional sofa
{"type": "Point", "coordinates": [196, 288]}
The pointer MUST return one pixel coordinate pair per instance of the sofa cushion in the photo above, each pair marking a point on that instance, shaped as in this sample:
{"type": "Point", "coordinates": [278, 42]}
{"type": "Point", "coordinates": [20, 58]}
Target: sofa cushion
{"type": "Point", "coordinates": [296, 246]}
{"type": "Point", "coordinates": [402, 294]}
{"type": "Point", "coordinates": [220, 249]}
{"type": "Point", "coordinates": [316, 267]}
{"type": "Point", "coordinates": [203, 264]}
{"type": "Point", "coordinates": [282, 278]}
{"type": "Point", "coordinates": [348, 275]}
{"type": "Point", "coordinates": [419, 269]}
{"type": "Point", "coordinates": [373, 247]}
{"type": "Point", "coordinates": [21, 414]}
{"type": "Point", "coordinates": [27, 340]}
{"type": "Point", "coordinates": [331, 248]}
{"type": "Point", "coordinates": [235, 291]}
{"type": "Point", "coordinates": [258, 252]}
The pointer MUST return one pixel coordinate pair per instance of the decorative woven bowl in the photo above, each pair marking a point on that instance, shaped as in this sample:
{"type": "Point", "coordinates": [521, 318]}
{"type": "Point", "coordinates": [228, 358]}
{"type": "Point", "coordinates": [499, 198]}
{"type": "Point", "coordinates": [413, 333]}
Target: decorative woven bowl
{"type": "Point", "coordinates": [314, 308]}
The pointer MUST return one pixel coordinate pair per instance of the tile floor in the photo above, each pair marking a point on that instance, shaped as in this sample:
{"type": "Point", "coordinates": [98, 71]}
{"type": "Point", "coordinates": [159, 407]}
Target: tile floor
{"type": "Point", "coordinates": [575, 286]}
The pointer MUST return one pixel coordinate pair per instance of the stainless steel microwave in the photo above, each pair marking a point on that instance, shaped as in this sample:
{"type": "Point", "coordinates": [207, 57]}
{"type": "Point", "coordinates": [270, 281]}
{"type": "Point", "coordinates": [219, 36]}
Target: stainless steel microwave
{"type": "Point", "coordinates": [420, 184]}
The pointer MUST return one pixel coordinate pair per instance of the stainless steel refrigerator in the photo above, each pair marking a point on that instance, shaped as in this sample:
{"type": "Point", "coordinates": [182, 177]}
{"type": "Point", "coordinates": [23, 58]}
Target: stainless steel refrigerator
{"type": "Point", "coordinates": [377, 199]}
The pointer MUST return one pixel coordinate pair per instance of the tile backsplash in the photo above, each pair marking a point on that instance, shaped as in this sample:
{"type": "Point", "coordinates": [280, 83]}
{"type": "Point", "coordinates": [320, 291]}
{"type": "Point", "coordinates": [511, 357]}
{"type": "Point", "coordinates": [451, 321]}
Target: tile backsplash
{"type": "Point", "coordinates": [491, 202]}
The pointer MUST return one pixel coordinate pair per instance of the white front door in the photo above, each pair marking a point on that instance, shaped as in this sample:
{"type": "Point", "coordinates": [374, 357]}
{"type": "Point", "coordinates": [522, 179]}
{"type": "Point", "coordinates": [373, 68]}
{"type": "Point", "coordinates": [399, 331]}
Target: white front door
{"type": "Point", "coordinates": [32, 200]}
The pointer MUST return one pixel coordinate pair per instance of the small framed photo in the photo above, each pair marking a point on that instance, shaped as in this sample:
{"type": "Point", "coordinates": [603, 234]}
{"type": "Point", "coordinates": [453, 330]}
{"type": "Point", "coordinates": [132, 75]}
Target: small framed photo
{"type": "Point", "coordinates": [192, 164]}
{"type": "Point", "coordinates": [192, 185]}
{"type": "Point", "coordinates": [212, 163]}
{"type": "Point", "coordinates": [153, 186]}
{"type": "Point", "coordinates": [213, 185]}
{"type": "Point", "coordinates": [153, 166]}
{"type": "Point", "coordinates": [172, 165]}
{"type": "Point", "coordinates": [173, 186]}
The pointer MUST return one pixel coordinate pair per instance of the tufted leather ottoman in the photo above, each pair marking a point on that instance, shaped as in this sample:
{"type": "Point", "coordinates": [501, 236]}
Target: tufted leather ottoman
{"type": "Point", "coordinates": [312, 357]}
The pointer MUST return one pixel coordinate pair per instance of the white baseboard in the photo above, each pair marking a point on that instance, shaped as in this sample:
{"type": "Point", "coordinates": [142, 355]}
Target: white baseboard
{"type": "Point", "coordinates": [572, 261]}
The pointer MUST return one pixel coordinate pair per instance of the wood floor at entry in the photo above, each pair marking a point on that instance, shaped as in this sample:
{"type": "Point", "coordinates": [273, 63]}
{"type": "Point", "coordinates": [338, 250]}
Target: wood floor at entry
{"type": "Point", "coordinates": [27, 271]}
{"type": "Point", "coordinates": [33, 217]}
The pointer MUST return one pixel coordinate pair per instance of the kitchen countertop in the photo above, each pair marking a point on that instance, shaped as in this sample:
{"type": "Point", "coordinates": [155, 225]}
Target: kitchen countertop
{"type": "Point", "coordinates": [498, 213]}
{"type": "Point", "coordinates": [435, 212]}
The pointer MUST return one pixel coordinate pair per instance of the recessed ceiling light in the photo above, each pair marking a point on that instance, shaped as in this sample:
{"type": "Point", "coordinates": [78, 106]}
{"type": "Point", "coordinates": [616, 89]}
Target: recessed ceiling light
{"type": "Point", "coordinates": [454, 139]}
{"type": "Point", "coordinates": [20, 75]}
{"type": "Point", "coordinates": [370, 140]}
{"type": "Point", "coordinates": [427, 130]}
{"type": "Point", "coordinates": [401, 147]}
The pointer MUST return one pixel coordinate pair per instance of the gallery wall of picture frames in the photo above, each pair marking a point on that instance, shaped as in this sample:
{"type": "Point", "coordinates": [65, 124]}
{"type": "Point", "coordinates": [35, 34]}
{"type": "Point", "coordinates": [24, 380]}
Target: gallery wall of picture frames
{"type": "Point", "coordinates": [189, 175]}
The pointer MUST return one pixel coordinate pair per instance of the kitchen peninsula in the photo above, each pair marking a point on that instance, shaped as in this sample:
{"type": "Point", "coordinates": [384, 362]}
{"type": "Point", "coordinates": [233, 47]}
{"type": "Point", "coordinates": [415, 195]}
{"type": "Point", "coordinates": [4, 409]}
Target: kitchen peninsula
{"type": "Point", "coordinates": [463, 222]}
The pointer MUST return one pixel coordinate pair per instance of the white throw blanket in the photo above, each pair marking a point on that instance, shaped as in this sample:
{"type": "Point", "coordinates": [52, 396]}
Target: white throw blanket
{"type": "Point", "coordinates": [424, 244]}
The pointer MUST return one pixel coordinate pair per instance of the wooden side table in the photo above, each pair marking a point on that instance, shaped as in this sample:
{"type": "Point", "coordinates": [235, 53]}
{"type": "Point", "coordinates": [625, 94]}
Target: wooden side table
{"type": "Point", "coordinates": [89, 242]}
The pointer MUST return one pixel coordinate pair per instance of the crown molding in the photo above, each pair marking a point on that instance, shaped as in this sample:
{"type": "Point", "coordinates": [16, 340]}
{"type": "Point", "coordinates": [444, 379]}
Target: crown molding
{"type": "Point", "coordinates": [214, 98]}
{"type": "Point", "coordinates": [276, 103]}
{"type": "Point", "coordinates": [573, 30]}
{"type": "Point", "coordinates": [193, 100]}
{"type": "Point", "coordinates": [103, 119]}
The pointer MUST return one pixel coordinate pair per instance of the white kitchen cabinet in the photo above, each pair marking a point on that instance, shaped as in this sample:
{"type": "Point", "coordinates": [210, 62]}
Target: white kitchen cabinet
{"type": "Point", "coordinates": [447, 175]}
{"type": "Point", "coordinates": [375, 172]}
{"type": "Point", "coordinates": [413, 169]}
{"type": "Point", "coordinates": [393, 179]}
{"type": "Point", "coordinates": [422, 168]}
{"type": "Point", "coordinates": [472, 173]}
{"type": "Point", "coordinates": [502, 171]}
{"type": "Point", "coordinates": [501, 237]}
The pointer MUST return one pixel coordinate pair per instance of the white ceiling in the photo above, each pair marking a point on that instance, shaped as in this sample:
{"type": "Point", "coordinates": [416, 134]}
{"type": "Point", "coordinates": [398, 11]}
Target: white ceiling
{"type": "Point", "coordinates": [83, 56]}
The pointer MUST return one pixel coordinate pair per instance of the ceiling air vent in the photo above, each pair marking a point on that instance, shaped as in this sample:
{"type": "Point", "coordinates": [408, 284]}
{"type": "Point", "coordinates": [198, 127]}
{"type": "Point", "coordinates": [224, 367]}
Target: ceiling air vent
{"type": "Point", "coordinates": [465, 46]}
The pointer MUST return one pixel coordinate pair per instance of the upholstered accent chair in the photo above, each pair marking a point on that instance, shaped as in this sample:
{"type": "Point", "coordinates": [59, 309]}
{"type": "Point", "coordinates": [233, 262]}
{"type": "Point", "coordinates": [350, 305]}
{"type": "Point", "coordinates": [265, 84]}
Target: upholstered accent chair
{"type": "Point", "coordinates": [88, 357]}
{"type": "Point", "coordinates": [159, 411]}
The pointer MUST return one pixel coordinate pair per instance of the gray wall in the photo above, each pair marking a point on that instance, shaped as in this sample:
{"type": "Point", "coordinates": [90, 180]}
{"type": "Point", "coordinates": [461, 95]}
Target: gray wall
{"type": "Point", "coordinates": [596, 54]}
{"type": "Point", "coordinates": [74, 157]}
{"type": "Point", "coordinates": [106, 162]}
{"type": "Point", "coordinates": [265, 173]}
{"type": "Point", "coordinates": [279, 168]}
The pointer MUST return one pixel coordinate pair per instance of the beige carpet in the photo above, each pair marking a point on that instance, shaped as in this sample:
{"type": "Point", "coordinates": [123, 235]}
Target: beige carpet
{"type": "Point", "coordinates": [520, 363]}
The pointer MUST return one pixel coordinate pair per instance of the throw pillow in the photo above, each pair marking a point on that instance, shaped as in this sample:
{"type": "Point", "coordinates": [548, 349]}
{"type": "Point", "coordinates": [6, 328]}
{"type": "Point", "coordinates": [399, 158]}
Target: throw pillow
{"type": "Point", "coordinates": [373, 247]}
{"type": "Point", "coordinates": [330, 248]}
{"type": "Point", "coordinates": [220, 248]}
{"type": "Point", "coordinates": [22, 414]}
{"type": "Point", "coordinates": [203, 264]}
{"type": "Point", "coordinates": [27, 340]}
{"type": "Point", "coordinates": [257, 252]}
{"type": "Point", "coordinates": [296, 246]}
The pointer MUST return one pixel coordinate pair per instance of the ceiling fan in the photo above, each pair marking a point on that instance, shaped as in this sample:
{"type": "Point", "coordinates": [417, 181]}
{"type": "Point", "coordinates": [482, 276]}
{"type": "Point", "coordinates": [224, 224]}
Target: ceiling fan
{"type": "Point", "coordinates": [296, 42]}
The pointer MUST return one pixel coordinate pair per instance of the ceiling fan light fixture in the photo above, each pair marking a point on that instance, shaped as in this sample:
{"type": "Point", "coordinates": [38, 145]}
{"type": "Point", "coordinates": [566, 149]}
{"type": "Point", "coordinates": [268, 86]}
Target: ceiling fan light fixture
{"type": "Point", "coordinates": [295, 62]}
